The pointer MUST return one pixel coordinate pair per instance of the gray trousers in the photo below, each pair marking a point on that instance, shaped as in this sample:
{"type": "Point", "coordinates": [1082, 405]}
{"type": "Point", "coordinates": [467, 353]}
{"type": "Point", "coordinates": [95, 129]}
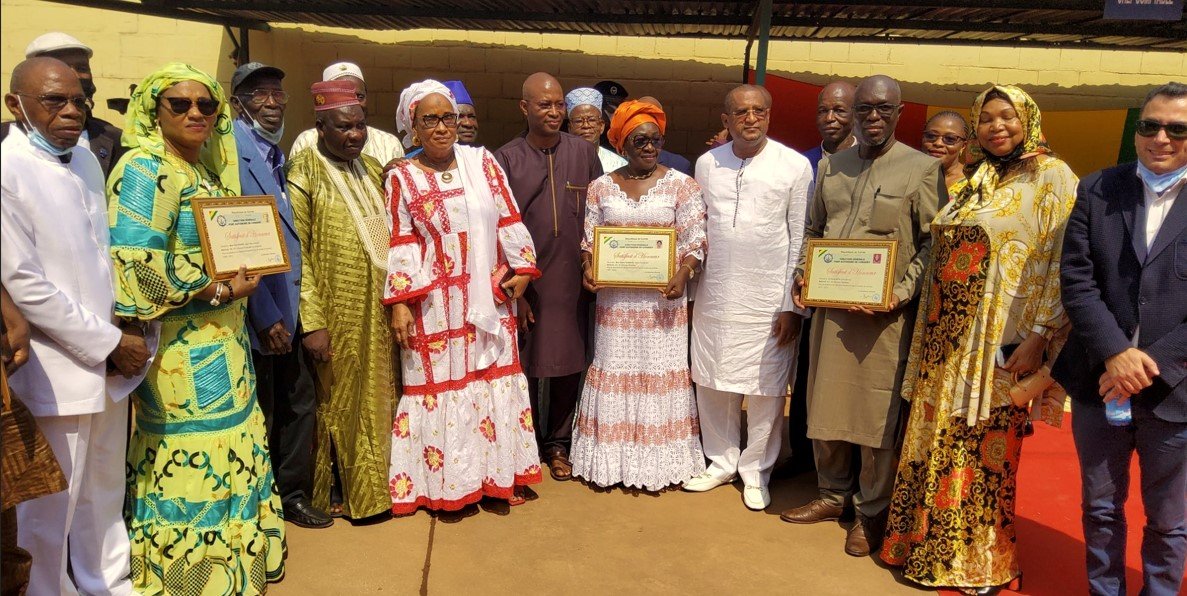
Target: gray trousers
{"type": "Point", "coordinates": [870, 489]}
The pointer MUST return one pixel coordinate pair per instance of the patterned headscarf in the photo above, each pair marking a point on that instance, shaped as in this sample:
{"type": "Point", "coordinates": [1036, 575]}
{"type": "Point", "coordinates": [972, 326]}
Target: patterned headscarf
{"type": "Point", "coordinates": [987, 167]}
{"type": "Point", "coordinates": [141, 128]}
{"type": "Point", "coordinates": [628, 117]}
{"type": "Point", "coordinates": [410, 97]}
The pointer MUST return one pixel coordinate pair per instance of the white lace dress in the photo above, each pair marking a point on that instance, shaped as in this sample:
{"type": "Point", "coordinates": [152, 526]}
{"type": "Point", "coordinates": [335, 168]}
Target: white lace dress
{"type": "Point", "coordinates": [637, 420]}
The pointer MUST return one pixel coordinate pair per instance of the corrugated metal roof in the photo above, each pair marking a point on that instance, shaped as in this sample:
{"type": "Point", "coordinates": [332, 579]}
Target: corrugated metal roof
{"type": "Point", "coordinates": [1063, 23]}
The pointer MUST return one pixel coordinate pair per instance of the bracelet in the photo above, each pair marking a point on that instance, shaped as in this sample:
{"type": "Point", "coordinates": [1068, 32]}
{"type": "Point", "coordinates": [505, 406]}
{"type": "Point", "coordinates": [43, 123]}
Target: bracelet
{"type": "Point", "coordinates": [218, 294]}
{"type": "Point", "coordinates": [585, 263]}
{"type": "Point", "coordinates": [230, 292]}
{"type": "Point", "coordinates": [692, 273]}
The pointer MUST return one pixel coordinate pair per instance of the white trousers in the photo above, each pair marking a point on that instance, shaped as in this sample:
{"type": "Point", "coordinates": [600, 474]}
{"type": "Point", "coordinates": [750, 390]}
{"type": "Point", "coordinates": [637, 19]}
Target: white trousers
{"type": "Point", "coordinates": [721, 434]}
{"type": "Point", "coordinates": [84, 523]}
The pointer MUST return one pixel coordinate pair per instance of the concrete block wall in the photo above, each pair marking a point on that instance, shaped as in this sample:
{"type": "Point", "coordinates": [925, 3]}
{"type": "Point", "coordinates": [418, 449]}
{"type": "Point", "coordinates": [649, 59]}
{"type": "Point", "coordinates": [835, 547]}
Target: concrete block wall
{"type": "Point", "coordinates": [689, 75]}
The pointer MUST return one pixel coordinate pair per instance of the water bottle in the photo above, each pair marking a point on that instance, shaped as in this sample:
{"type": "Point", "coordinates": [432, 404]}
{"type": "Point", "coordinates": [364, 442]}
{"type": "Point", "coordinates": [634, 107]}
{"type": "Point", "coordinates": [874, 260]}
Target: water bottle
{"type": "Point", "coordinates": [1118, 413]}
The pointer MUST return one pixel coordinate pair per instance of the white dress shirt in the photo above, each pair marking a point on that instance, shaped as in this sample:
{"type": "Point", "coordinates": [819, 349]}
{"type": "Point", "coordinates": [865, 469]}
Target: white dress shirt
{"type": "Point", "coordinates": [56, 265]}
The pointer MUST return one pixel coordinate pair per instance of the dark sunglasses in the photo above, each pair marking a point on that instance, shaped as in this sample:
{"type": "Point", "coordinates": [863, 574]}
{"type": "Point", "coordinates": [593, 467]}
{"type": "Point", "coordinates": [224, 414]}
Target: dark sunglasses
{"type": "Point", "coordinates": [430, 121]}
{"type": "Point", "coordinates": [641, 141]}
{"type": "Point", "coordinates": [54, 102]}
{"type": "Point", "coordinates": [948, 139]}
{"type": "Point", "coordinates": [1174, 130]}
{"type": "Point", "coordinates": [181, 105]}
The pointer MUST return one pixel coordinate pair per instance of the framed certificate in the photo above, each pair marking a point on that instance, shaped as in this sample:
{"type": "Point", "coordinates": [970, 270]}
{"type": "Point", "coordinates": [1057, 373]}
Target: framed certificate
{"type": "Point", "coordinates": [238, 231]}
{"type": "Point", "coordinates": [846, 273]}
{"type": "Point", "coordinates": [633, 257]}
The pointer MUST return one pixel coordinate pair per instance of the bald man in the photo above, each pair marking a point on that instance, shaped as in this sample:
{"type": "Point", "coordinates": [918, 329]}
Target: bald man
{"type": "Point", "coordinates": [548, 171]}
{"type": "Point", "coordinates": [55, 264]}
{"type": "Point", "coordinates": [834, 121]}
{"type": "Point", "coordinates": [667, 158]}
{"type": "Point", "coordinates": [878, 189]}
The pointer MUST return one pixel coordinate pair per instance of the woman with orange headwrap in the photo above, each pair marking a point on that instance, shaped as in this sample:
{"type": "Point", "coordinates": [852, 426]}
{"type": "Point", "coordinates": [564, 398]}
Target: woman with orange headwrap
{"type": "Point", "coordinates": [637, 421]}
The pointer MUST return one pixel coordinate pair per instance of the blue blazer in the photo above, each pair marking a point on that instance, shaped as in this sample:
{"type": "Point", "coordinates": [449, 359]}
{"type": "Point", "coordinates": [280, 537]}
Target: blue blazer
{"type": "Point", "coordinates": [278, 296]}
{"type": "Point", "coordinates": [1111, 284]}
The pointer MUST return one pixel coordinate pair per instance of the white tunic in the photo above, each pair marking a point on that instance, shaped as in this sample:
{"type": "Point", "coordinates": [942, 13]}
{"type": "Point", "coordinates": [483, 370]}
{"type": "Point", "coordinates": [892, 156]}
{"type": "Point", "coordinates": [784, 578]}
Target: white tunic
{"type": "Point", "coordinates": [56, 264]}
{"type": "Point", "coordinates": [755, 229]}
{"type": "Point", "coordinates": [383, 146]}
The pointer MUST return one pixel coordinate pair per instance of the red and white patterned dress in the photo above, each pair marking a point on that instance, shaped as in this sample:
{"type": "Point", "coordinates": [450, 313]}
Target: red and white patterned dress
{"type": "Point", "coordinates": [460, 433]}
{"type": "Point", "coordinates": [637, 420]}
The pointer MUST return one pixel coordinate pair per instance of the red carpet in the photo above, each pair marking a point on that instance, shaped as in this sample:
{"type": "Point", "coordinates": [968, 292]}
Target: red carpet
{"type": "Point", "coordinates": [1050, 538]}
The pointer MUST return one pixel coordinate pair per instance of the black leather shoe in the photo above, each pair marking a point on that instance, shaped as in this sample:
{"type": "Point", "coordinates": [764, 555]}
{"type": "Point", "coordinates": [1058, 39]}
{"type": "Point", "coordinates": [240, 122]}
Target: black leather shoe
{"type": "Point", "coordinates": [304, 514]}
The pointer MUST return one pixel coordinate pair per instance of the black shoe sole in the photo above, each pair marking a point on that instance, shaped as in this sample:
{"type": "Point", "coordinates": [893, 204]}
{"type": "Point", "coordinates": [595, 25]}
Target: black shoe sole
{"type": "Point", "coordinates": [305, 524]}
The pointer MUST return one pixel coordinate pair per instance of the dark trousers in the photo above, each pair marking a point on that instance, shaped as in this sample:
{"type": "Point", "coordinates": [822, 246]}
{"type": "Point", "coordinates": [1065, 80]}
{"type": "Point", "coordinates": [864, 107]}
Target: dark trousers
{"type": "Point", "coordinates": [563, 393]}
{"type": "Point", "coordinates": [285, 389]}
{"type": "Point", "coordinates": [797, 413]}
{"type": "Point", "coordinates": [1105, 452]}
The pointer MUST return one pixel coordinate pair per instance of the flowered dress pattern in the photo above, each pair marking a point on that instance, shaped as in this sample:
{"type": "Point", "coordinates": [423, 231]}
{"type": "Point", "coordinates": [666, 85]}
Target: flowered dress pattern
{"type": "Point", "coordinates": [994, 280]}
{"type": "Point", "coordinates": [637, 420]}
{"type": "Point", "coordinates": [460, 432]}
{"type": "Point", "coordinates": [202, 508]}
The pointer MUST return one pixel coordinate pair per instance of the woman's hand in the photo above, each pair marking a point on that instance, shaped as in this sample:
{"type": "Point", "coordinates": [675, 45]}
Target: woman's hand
{"type": "Point", "coordinates": [317, 343]}
{"type": "Point", "coordinates": [403, 325]}
{"type": "Point", "coordinates": [516, 286]}
{"type": "Point", "coordinates": [587, 278]}
{"type": "Point", "coordinates": [675, 287]}
{"type": "Point", "coordinates": [1028, 356]}
{"type": "Point", "coordinates": [244, 285]}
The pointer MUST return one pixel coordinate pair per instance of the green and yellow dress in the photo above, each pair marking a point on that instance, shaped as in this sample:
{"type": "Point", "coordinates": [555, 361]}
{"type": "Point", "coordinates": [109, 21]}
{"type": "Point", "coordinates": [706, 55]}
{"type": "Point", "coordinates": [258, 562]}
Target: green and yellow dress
{"type": "Point", "coordinates": [202, 508]}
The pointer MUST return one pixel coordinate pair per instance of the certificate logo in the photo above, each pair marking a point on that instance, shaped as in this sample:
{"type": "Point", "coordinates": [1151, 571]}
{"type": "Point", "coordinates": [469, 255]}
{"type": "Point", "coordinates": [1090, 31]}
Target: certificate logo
{"type": "Point", "coordinates": [828, 258]}
{"type": "Point", "coordinates": [613, 244]}
{"type": "Point", "coordinates": [221, 220]}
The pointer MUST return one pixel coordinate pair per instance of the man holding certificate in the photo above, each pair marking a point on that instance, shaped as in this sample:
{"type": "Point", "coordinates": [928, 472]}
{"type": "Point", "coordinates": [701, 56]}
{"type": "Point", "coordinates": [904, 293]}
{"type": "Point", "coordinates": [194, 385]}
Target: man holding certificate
{"type": "Point", "coordinates": [873, 206]}
{"type": "Point", "coordinates": [744, 325]}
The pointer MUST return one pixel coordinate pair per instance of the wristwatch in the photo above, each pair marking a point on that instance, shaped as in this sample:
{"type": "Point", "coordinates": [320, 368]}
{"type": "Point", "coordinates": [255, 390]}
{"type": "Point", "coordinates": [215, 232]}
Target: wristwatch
{"type": "Point", "coordinates": [692, 272]}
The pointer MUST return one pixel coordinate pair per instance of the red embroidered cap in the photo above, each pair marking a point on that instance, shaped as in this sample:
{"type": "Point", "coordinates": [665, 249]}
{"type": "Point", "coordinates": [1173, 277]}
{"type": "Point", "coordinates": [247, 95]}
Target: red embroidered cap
{"type": "Point", "coordinates": [330, 95]}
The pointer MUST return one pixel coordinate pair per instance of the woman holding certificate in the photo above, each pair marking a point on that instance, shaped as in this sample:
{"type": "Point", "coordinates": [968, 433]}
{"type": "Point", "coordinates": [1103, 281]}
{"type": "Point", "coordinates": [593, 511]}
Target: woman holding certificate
{"type": "Point", "coordinates": [460, 256]}
{"type": "Point", "coordinates": [637, 420]}
{"type": "Point", "coordinates": [987, 319]}
{"type": "Point", "coordinates": [203, 512]}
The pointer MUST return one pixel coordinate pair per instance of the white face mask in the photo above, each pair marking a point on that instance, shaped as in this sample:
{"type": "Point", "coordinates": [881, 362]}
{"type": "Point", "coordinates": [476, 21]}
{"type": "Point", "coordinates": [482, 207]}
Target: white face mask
{"type": "Point", "coordinates": [271, 137]}
{"type": "Point", "coordinates": [37, 139]}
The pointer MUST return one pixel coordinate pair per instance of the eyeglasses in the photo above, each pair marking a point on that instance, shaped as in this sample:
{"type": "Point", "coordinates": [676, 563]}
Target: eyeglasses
{"type": "Point", "coordinates": [360, 96]}
{"type": "Point", "coordinates": [54, 102]}
{"type": "Point", "coordinates": [430, 121]}
{"type": "Point", "coordinates": [641, 141]}
{"type": "Point", "coordinates": [884, 110]}
{"type": "Point", "coordinates": [1174, 130]}
{"type": "Point", "coordinates": [182, 105]}
{"type": "Point", "coordinates": [589, 121]}
{"type": "Point", "coordinates": [261, 96]}
{"type": "Point", "coordinates": [759, 113]}
{"type": "Point", "coordinates": [948, 139]}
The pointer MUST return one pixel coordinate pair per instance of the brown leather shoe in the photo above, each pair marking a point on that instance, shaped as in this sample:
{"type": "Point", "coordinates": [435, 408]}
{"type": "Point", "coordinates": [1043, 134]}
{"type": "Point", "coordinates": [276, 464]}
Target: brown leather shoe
{"type": "Point", "coordinates": [814, 512]}
{"type": "Point", "coordinates": [856, 543]}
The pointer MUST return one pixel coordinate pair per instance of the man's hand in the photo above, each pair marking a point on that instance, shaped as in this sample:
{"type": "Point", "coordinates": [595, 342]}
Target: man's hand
{"type": "Point", "coordinates": [1130, 372]}
{"type": "Point", "coordinates": [402, 324]}
{"type": "Point", "coordinates": [865, 311]}
{"type": "Point", "coordinates": [1109, 389]}
{"type": "Point", "coordinates": [676, 285]}
{"type": "Point", "coordinates": [786, 328]}
{"type": "Point", "coordinates": [277, 339]}
{"type": "Point", "coordinates": [15, 334]}
{"type": "Point", "coordinates": [525, 315]}
{"type": "Point", "coordinates": [587, 278]}
{"type": "Point", "coordinates": [797, 289]}
{"type": "Point", "coordinates": [317, 343]}
{"type": "Point", "coordinates": [516, 286]}
{"type": "Point", "coordinates": [131, 354]}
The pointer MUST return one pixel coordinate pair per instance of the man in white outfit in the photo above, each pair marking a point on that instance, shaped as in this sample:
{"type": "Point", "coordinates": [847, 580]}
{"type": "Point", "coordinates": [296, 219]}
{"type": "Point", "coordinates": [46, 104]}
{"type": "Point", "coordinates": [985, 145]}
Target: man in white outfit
{"type": "Point", "coordinates": [744, 326]}
{"type": "Point", "coordinates": [55, 263]}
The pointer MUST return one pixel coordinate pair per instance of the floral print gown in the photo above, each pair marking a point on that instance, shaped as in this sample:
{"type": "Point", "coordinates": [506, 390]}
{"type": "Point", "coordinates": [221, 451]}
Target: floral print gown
{"type": "Point", "coordinates": [460, 433]}
{"type": "Point", "coordinates": [637, 420]}
{"type": "Point", "coordinates": [993, 280]}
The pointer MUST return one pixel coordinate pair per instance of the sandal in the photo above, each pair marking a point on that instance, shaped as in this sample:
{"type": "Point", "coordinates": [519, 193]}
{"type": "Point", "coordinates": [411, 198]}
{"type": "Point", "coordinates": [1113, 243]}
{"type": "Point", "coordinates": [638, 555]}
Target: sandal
{"type": "Point", "coordinates": [560, 467]}
{"type": "Point", "coordinates": [337, 510]}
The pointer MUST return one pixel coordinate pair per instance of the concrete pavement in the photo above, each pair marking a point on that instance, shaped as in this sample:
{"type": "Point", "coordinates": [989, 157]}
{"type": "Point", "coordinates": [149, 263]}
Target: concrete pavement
{"type": "Point", "coordinates": [575, 540]}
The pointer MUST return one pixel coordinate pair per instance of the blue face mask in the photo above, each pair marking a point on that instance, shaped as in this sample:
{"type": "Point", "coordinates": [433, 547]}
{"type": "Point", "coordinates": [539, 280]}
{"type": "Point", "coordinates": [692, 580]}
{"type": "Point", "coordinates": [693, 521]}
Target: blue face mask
{"type": "Point", "coordinates": [38, 140]}
{"type": "Point", "coordinates": [1159, 183]}
{"type": "Point", "coordinates": [271, 137]}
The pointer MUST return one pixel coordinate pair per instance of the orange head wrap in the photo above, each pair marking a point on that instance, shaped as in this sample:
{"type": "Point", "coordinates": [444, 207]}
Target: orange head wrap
{"type": "Point", "coordinates": [629, 115]}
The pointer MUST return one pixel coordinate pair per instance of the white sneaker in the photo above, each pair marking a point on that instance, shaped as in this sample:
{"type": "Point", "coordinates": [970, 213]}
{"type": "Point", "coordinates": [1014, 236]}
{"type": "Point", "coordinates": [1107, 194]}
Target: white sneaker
{"type": "Point", "coordinates": [705, 481]}
{"type": "Point", "coordinates": [756, 498]}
